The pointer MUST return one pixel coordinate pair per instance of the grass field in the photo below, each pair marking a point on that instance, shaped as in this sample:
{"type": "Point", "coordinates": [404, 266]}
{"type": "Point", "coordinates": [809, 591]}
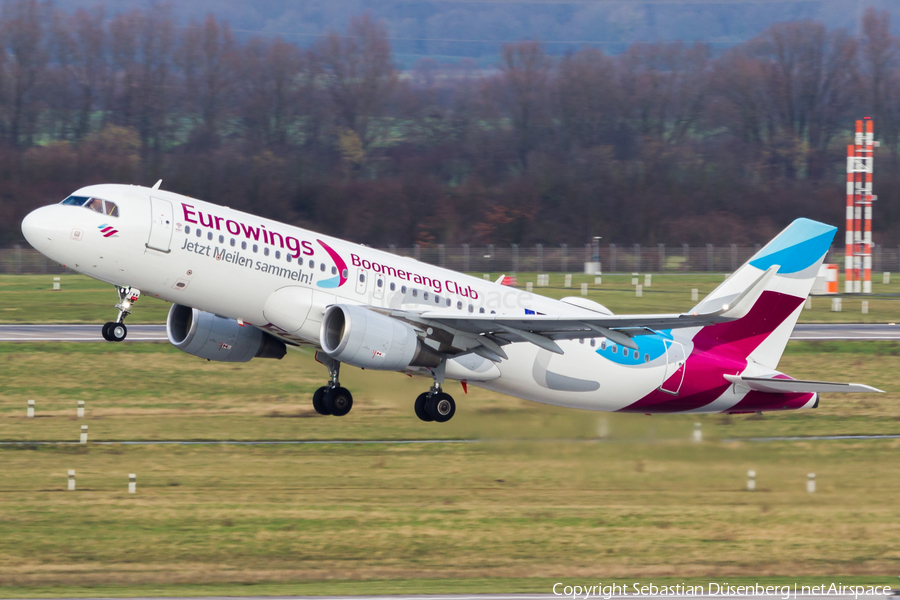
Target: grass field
{"type": "Point", "coordinates": [540, 497]}
{"type": "Point", "coordinates": [30, 299]}
{"type": "Point", "coordinates": [541, 500]}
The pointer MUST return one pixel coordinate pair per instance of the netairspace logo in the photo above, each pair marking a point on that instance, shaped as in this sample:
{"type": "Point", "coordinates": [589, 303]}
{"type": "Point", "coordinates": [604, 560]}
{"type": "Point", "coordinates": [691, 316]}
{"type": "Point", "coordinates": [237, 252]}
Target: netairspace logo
{"type": "Point", "coordinates": [784, 592]}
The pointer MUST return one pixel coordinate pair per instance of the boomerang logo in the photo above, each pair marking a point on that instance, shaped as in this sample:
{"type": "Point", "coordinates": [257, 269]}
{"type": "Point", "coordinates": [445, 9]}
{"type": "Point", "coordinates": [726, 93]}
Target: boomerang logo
{"type": "Point", "coordinates": [339, 279]}
{"type": "Point", "coordinates": [108, 230]}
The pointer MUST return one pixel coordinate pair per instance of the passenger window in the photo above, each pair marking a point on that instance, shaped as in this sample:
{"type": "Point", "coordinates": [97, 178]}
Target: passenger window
{"type": "Point", "coordinates": [221, 239]}
{"type": "Point", "coordinates": [481, 311]}
{"type": "Point", "coordinates": [471, 308]}
{"type": "Point", "coordinates": [415, 292]}
{"type": "Point", "coordinates": [615, 349]}
{"type": "Point", "coordinates": [345, 274]}
{"type": "Point", "coordinates": [379, 282]}
{"type": "Point", "coordinates": [625, 352]}
{"type": "Point", "coordinates": [312, 265]}
{"type": "Point", "coordinates": [593, 343]}
{"type": "Point", "coordinates": [581, 341]}
{"type": "Point", "coordinates": [334, 271]}
{"type": "Point", "coordinates": [362, 278]}
{"type": "Point", "coordinates": [277, 254]}
{"type": "Point", "coordinates": [209, 236]}
{"type": "Point", "coordinates": [255, 247]}
{"type": "Point", "coordinates": [266, 251]}
{"type": "Point", "coordinates": [425, 296]}
{"type": "Point", "coordinates": [393, 286]}
{"type": "Point", "coordinates": [199, 232]}
{"type": "Point", "coordinates": [603, 345]}
{"type": "Point", "coordinates": [646, 358]}
{"type": "Point", "coordinates": [459, 305]}
{"type": "Point", "coordinates": [232, 242]}
{"type": "Point", "coordinates": [403, 290]}
{"type": "Point", "coordinates": [437, 299]}
{"type": "Point", "coordinates": [95, 204]}
{"type": "Point", "coordinates": [448, 302]}
{"type": "Point", "coordinates": [288, 257]}
{"type": "Point", "coordinates": [322, 267]}
{"type": "Point", "coordinates": [111, 209]}
{"type": "Point", "coordinates": [187, 228]}
{"type": "Point", "coordinates": [243, 245]}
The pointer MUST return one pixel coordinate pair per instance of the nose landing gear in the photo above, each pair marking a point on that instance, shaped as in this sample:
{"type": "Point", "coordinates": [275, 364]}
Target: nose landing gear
{"type": "Point", "coordinates": [115, 331]}
{"type": "Point", "coordinates": [332, 399]}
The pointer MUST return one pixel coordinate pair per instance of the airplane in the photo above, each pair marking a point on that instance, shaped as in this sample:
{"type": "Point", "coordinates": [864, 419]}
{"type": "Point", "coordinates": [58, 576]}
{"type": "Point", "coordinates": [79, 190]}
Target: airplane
{"type": "Point", "coordinates": [245, 287]}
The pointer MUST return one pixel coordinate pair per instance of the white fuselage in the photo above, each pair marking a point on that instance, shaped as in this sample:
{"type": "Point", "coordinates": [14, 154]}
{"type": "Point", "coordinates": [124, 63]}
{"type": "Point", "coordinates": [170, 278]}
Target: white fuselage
{"type": "Point", "coordinates": [232, 263]}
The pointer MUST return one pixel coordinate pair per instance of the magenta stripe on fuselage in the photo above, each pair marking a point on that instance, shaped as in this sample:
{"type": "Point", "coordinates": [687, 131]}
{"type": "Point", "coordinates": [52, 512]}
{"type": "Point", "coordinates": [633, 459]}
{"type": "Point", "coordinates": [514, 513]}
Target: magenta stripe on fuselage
{"type": "Point", "coordinates": [720, 349]}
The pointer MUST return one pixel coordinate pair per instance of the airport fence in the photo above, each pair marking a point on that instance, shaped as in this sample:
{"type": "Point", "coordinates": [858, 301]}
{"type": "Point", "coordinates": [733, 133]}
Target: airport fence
{"type": "Point", "coordinates": [21, 258]}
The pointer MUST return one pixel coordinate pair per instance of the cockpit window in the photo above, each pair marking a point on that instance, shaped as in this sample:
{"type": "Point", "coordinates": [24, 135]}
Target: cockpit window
{"type": "Point", "coordinates": [96, 204]}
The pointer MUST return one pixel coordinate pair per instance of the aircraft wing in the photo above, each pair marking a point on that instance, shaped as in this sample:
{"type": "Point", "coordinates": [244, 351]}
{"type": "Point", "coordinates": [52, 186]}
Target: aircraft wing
{"type": "Point", "coordinates": [485, 334]}
{"type": "Point", "coordinates": [780, 386]}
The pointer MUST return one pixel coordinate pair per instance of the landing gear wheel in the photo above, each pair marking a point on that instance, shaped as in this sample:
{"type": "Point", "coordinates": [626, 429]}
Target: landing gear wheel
{"type": "Point", "coordinates": [319, 400]}
{"type": "Point", "coordinates": [338, 401]}
{"type": "Point", "coordinates": [420, 407]}
{"type": "Point", "coordinates": [116, 332]}
{"type": "Point", "coordinates": [105, 332]}
{"type": "Point", "coordinates": [441, 407]}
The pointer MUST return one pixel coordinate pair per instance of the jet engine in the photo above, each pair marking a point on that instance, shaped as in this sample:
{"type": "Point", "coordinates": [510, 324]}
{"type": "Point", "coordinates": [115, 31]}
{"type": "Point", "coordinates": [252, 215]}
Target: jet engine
{"type": "Point", "coordinates": [213, 337]}
{"type": "Point", "coordinates": [371, 340]}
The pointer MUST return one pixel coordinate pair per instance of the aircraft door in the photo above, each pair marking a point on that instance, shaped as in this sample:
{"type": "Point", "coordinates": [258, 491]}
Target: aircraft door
{"type": "Point", "coordinates": [161, 218]}
{"type": "Point", "coordinates": [362, 281]}
{"type": "Point", "coordinates": [675, 365]}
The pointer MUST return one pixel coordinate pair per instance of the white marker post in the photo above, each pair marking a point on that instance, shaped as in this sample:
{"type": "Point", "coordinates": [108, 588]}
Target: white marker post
{"type": "Point", "coordinates": [56, 283]}
{"type": "Point", "coordinates": [751, 480]}
{"type": "Point", "coordinates": [84, 434]}
{"type": "Point", "coordinates": [808, 304]}
{"type": "Point", "coordinates": [132, 483]}
{"type": "Point", "coordinates": [811, 483]}
{"type": "Point", "coordinates": [639, 291]}
{"type": "Point", "coordinates": [568, 280]}
{"type": "Point", "coordinates": [80, 411]}
{"type": "Point", "coordinates": [529, 287]}
{"type": "Point", "coordinates": [30, 411]}
{"type": "Point", "coordinates": [584, 289]}
{"type": "Point", "coordinates": [71, 480]}
{"type": "Point", "coordinates": [486, 276]}
{"type": "Point", "coordinates": [886, 278]}
{"type": "Point", "coordinates": [598, 280]}
{"type": "Point", "coordinates": [695, 295]}
{"type": "Point", "coordinates": [698, 433]}
{"type": "Point", "coordinates": [648, 277]}
{"type": "Point", "coordinates": [634, 278]}
{"type": "Point", "coordinates": [835, 305]}
{"type": "Point", "coordinates": [865, 307]}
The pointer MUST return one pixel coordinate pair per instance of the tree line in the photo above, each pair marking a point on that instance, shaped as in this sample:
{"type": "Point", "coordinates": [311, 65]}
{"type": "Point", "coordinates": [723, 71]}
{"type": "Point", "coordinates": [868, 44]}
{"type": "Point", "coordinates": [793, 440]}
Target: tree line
{"type": "Point", "coordinates": [663, 143]}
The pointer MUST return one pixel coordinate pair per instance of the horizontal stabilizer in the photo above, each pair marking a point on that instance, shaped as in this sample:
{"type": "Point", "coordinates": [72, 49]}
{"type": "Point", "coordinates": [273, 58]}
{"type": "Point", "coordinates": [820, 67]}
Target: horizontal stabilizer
{"type": "Point", "coordinates": [796, 386]}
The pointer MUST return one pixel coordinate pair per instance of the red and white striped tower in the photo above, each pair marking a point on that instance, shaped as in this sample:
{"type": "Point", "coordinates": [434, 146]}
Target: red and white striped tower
{"type": "Point", "coordinates": [857, 211]}
{"type": "Point", "coordinates": [848, 235]}
{"type": "Point", "coordinates": [867, 206]}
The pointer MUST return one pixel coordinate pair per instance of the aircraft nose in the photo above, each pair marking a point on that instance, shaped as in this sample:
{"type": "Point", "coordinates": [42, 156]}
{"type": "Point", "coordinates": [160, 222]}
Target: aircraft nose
{"type": "Point", "coordinates": [36, 227]}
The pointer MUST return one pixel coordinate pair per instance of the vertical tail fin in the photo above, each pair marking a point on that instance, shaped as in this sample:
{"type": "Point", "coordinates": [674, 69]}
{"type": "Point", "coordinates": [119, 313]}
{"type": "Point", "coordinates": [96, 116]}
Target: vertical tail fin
{"type": "Point", "coordinates": [761, 335]}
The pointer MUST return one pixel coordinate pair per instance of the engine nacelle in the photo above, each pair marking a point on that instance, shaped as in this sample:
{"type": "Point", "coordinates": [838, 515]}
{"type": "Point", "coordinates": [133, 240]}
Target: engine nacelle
{"type": "Point", "coordinates": [213, 337]}
{"type": "Point", "coordinates": [371, 340]}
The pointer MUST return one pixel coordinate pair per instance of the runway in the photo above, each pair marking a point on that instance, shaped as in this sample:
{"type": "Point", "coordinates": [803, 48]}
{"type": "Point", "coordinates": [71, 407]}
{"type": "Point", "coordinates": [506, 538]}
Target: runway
{"type": "Point", "coordinates": [157, 333]}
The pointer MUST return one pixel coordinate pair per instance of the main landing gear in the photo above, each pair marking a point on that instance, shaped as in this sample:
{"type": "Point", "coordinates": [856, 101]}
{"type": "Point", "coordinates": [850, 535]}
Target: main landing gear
{"type": "Point", "coordinates": [435, 404]}
{"type": "Point", "coordinates": [115, 331]}
{"type": "Point", "coordinates": [332, 399]}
